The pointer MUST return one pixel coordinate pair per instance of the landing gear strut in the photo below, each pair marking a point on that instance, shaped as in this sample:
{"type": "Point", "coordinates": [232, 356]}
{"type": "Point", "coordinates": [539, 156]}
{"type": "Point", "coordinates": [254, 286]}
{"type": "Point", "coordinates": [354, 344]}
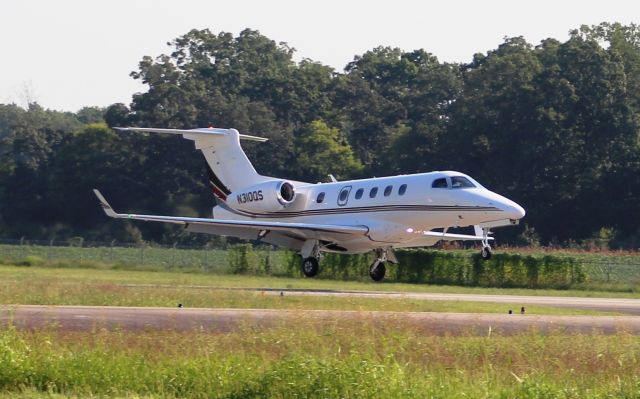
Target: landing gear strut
{"type": "Point", "coordinates": [486, 251]}
{"type": "Point", "coordinates": [378, 269]}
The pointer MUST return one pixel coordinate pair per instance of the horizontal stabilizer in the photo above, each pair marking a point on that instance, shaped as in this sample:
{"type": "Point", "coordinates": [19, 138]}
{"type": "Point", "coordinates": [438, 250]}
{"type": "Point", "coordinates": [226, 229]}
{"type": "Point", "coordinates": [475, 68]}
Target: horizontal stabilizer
{"type": "Point", "coordinates": [200, 131]}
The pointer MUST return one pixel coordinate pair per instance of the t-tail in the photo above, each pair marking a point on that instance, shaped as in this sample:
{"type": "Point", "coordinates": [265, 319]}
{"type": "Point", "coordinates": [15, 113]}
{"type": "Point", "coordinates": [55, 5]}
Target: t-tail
{"type": "Point", "coordinates": [228, 168]}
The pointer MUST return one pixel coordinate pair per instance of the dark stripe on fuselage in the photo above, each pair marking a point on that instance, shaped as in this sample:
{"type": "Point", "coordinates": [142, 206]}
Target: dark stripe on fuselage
{"type": "Point", "coordinates": [368, 209]}
{"type": "Point", "coordinates": [215, 181]}
{"type": "Point", "coordinates": [217, 192]}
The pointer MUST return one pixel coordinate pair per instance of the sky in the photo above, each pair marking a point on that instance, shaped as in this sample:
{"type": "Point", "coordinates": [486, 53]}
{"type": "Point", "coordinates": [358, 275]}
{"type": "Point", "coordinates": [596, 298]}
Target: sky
{"type": "Point", "coordinates": [66, 54]}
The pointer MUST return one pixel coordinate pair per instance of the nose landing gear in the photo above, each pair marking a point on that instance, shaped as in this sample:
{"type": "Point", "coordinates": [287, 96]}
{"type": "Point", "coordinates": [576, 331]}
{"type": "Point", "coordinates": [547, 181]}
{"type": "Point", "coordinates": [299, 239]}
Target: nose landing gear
{"type": "Point", "coordinates": [486, 251]}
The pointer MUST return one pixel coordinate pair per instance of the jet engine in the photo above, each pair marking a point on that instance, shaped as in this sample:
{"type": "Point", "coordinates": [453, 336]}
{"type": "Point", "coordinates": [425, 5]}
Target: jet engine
{"type": "Point", "coordinates": [270, 196]}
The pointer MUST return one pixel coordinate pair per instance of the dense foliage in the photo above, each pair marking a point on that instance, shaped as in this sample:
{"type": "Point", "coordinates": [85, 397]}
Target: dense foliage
{"type": "Point", "coordinates": [556, 127]}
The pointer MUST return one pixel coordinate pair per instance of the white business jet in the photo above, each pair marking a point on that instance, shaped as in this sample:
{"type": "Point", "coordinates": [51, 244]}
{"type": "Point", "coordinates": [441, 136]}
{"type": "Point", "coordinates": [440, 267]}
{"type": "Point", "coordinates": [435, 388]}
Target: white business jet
{"type": "Point", "coordinates": [348, 217]}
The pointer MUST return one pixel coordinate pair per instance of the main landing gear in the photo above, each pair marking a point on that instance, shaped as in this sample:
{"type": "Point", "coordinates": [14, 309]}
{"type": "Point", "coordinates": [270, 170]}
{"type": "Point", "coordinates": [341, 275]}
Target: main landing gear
{"type": "Point", "coordinates": [310, 266]}
{"type": "Point", "coordinates": [310, 252]}
{"type": "Point", "coordinates": [378, 269]}
{"type": "Point", "coordinates": [310, 258]}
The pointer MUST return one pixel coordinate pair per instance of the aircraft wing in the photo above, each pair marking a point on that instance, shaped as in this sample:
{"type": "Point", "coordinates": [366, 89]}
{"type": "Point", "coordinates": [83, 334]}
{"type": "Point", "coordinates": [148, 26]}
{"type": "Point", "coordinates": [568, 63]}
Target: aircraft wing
{"type": "Point", "coordinates": [246, 229]}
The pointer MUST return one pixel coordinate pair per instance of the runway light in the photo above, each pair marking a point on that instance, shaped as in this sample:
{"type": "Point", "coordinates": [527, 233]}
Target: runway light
{"type": "Point", "coordinates": [409, 230]}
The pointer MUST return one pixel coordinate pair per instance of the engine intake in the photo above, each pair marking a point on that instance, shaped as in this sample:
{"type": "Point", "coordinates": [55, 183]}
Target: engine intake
{"type": "Point", "coordinates": [270, 196]}
{"type": "Point", "coordinates": [286, 193]}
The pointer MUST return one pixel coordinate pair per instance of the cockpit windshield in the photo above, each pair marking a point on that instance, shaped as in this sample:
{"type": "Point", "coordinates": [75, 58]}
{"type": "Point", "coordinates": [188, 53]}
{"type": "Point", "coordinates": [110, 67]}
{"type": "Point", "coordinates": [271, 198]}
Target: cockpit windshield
{"type": "Point", "coordinates": [461, 182]}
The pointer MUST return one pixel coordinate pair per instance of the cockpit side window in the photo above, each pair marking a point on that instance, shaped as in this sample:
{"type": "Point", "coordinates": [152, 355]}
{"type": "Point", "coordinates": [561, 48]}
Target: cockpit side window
{"type": "Point", "coordinates": [439, 183]}
{"type": "Point", "coordinates": [461, 182]}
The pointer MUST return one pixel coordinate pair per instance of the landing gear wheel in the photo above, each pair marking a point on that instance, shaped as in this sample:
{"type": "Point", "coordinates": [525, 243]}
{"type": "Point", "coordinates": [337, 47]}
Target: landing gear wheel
{"type": "Point", "coordinates": [486, 253]}
{"type": "Point", "coordinates": [310, 266]}
{"type": "Point", "coordinates": [377, 271]}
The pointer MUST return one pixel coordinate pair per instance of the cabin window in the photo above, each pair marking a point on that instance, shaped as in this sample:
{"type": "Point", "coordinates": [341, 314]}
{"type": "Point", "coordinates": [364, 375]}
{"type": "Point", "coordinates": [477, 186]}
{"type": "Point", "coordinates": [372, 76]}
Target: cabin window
{"type": "Point", "coordinates": [359, 193]}
{"type": "Point", "coordinates": [320, 198]}
{"type": "Point", "coordinates": [402, 189]}
{"type": "Point", "coordinates": [461, 182]}
{"type": "Point", "coordinates": [439, 183]}
{"type": "Point", "coordinates": [373, 192]}
{"type": "Point", "coordinates": [387, 191]}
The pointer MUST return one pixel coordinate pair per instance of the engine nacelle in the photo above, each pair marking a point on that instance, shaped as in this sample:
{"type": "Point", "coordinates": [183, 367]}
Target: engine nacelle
{"type": "Point", "coordinates": [270, 196]}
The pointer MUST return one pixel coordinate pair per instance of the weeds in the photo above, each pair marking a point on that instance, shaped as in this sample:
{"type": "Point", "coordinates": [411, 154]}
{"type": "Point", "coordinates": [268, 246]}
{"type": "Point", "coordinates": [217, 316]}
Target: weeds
{"type": "Point", "coordinates": [299, 360]}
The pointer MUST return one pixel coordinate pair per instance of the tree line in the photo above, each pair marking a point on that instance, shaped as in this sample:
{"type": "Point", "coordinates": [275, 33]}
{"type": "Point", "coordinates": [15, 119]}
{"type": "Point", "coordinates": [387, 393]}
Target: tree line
{"type": "Point", "coordinates": [554, 126]}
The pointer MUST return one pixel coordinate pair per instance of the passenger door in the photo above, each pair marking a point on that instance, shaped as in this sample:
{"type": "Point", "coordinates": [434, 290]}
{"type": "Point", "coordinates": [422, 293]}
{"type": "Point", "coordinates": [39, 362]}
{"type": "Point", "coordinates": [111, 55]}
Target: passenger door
{"type": "Point", "coordinates": [343, 197]}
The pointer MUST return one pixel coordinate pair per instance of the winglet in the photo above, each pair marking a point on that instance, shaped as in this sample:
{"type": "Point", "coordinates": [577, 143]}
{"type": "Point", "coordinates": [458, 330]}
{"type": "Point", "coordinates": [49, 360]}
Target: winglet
{"type": "Point", "coordinates": [105, 205]}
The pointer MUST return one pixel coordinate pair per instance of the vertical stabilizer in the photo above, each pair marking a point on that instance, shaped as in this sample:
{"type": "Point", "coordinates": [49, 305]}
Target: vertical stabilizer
{"type": "Point", "coordinates": [228, 167]}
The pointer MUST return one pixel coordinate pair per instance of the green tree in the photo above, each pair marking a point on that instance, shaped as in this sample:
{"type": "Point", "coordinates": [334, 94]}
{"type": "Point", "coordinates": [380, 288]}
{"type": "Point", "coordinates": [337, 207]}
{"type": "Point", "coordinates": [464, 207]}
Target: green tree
{"type": "Point", "coordinates": [321, 151]}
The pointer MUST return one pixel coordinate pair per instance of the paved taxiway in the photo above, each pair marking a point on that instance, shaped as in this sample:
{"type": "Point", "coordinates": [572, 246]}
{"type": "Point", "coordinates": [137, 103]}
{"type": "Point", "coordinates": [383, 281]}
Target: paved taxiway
{"type": "Point", "coordinates": [86, 318]}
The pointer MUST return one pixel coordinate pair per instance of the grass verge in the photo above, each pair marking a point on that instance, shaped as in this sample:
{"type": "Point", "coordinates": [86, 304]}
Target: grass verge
{"type": "Point", "coordinates": [20, 275]}
{"type": "Point", "coordinates": [319, 362]}
{"type": "Point", "coordinates": [38, 286]}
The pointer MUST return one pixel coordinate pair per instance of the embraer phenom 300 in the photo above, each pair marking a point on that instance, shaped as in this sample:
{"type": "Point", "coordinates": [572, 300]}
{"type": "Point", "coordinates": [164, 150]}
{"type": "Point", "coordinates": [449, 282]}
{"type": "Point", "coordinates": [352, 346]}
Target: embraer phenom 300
{"type": "Point", "coordinates": [349, 217]}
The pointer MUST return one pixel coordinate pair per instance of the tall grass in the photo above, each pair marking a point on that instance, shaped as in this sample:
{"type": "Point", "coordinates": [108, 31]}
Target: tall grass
{"type": "Point", "coordinates": [299, 360]}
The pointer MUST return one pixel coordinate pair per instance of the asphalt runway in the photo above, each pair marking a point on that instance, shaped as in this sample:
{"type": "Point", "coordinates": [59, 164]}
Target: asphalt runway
{"type": "Point", "coordinates": [618, 305]}
{"type": "Point", "coordinates": [88, 318]}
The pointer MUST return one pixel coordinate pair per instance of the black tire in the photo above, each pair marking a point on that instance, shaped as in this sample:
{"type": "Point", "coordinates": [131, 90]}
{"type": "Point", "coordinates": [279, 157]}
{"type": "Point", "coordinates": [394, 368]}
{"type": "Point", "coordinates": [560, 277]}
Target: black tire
{"type": "Point", "coordinates": [377, 272]}
{"type": "Point", "coordinates": [486, 253]}
{"type": "Point", "coordinates": [310, 267]}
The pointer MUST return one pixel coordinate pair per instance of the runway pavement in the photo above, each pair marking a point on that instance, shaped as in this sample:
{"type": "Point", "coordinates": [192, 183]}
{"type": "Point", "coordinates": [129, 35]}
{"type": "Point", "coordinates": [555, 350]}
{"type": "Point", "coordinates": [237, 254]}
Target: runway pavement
{"type": "Point", "coordinates": [87, 318]}
{"type": "Point", "coordinates": [619, 305]}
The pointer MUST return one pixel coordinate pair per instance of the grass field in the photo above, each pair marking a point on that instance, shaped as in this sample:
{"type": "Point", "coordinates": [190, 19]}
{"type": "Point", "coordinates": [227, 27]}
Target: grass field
{"type": "Point", "coordinates": [44, 286]}
{"type": "Point", "coordinates": [77, 274]}
{"type": "Point", "coordinates": [605, 270]}
{"type": "Point", "coordinates": [299, 359]}
{"type": "Point", "coordinates": [317, 362]}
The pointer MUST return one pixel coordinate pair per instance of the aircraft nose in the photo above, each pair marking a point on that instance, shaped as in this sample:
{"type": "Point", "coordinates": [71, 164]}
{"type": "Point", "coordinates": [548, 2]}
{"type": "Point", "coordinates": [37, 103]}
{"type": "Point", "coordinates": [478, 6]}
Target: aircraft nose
{"type": "Point", "coordinates": [513, 210]}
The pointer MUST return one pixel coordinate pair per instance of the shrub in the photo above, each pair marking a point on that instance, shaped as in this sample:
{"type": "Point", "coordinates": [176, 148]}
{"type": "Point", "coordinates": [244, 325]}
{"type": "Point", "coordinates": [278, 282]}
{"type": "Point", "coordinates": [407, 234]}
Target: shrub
{"type": "Point", "coordinates": [242, 259]}
{"type": "Point", "coordinates": [31, 260]}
